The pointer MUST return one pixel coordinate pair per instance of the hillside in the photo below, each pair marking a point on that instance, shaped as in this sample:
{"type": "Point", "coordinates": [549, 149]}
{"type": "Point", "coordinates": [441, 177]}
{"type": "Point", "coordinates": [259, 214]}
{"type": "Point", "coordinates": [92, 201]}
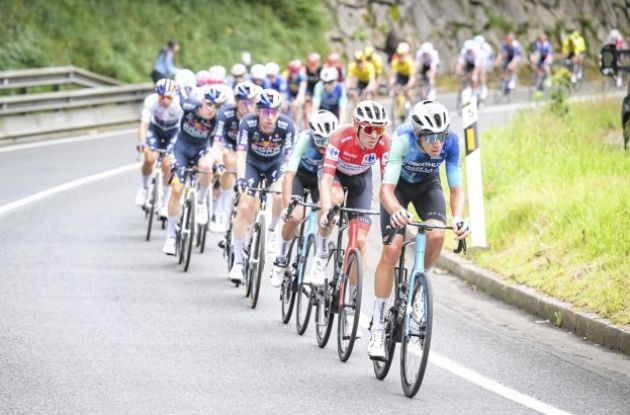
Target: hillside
{"type": "Point", "coordinates": [121, 38]}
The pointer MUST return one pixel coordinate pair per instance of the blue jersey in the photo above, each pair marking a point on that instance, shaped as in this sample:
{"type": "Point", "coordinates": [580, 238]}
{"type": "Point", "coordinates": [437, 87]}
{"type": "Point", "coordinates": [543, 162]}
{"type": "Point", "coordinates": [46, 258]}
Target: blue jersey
{"type": "Point", "coordinates": [409, 162]}
{"type": "Point", "coordinates": [195, 129]}
{"type": "Point", "coordinates": [227, 126]}
{"type": "Point", "coordinates": [306, 156]}
{"type": "Point", "coordinates": [263, 147]}
{"type": "Point", "coordinates": [510, 52]}
{"type": "Point", "coordinates": [331, 101]}
{"type": "Point", "coordinates": [543, 48]}
{"type": "Point", "coordinates": [279, 84]}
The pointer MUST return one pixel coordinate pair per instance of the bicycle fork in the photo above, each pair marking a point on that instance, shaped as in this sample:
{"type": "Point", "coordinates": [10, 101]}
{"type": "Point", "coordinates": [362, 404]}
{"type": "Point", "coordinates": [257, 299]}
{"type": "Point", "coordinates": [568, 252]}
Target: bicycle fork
{"type": "Point", "coordinates": [418, 268]}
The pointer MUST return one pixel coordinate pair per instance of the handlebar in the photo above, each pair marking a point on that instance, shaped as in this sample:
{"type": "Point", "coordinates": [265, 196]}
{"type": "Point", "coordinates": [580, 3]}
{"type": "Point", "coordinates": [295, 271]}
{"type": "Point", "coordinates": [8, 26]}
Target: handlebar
{"type": "Point", "coordinates": [391, 232]}
{"type": "Point", "coordinates": [297, 200]}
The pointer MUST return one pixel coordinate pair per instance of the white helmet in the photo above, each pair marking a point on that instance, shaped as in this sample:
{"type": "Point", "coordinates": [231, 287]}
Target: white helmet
{"type": "Point", "coordinates": [217, 73]}
{"type": "Point", "coordinates": [371, 113]}
{"type": "Point", "coordinates": [479, 40]}
{"type": "Point", "coordinates": [329, 74]}
{"type": "Point", "coordinates": [430, 117]}
{"type": "Point", "coordinates": [258, 71]}
{"type": "Point", "coordinates": [322, 125]}
{"type": "Point", "coordinates": [403, 47]}
{"type": "Point", "coordinates": [186, 78]}
{"type": "Point", "coordinates": [470, 45]}
{"type": "Point", "coordinates": [426, 47]}
{"type": "Point", "coordinates": [214, 94]}
{"type": "Point", "coordinates": [272, 69]}
{"type": "Point", "coordinates": [238, 69]}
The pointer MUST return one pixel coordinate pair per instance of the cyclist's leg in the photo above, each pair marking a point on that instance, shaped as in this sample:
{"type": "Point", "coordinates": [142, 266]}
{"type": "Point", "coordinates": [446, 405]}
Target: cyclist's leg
{"type": "Point", "coordinates": [324, 233]}
{"type": "Point", "coordinates": [177, 187]}
{"type": "Point", "coordinates": [245, 212]}
{"type": "Point", "coordinates": [431, 207]}
{"type": "Point", "coordinates": [360, 197]}
{"type": "Point", "coordinates": [274, 178]}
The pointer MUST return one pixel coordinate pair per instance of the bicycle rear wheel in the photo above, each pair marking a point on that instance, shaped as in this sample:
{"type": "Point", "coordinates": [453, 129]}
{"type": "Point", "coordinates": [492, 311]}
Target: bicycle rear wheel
{"type": "Point", "coordinates": [189, 229]}
{"type": "Point", "coordinates": [258, 260]}
{"type": "Point", "coordinates": [289, 283]}
{"type": "Point", "coordinates": [151, 208]}
{"type": "Point", "coordinates": [416, 335]}
{"type": "Point", "coordinates": [304, 302]}
{"type": "Point", "coordinates": [349, 308]}
{"type": "Point", "coordinates": [202, 230]}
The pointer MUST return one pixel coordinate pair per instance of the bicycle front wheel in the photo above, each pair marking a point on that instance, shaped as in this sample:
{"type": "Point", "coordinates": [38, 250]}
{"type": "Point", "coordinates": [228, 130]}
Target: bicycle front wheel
{"type": "Point", "coordinates": [349, 306]}
{"type": "Point", "coordinates": [304, 303]}
{"type": "Point", "coordinates": [189, 230]}
{"type": "Point", "coordinates": [289, 283]}
{"type": "Point", "coordinates": [416, 335]}
{"type": "Point", "coordinates": [258, 260]}
{"type": "Point", "coordinates": [152, 202]}
{"type": "Point", "coordinates": [381, 368]}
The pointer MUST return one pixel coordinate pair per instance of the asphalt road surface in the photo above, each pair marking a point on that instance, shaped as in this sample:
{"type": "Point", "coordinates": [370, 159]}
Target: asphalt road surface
{"type": "Point", "coordinates": [93, 319]}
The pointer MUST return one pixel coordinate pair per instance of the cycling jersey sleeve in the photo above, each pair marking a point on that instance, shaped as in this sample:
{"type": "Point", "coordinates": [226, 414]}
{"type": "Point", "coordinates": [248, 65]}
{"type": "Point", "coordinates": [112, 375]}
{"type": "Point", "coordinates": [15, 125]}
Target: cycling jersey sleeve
{"type": "Point", "coordinates": [332, 155]}
{"type": "Point", "coordinates": [243, 135]}
{"type": "Point", "coordinates": [397, 152]}
{"type": "Point", "coordinates": [288, 144]}
{"type": "Point", "coordinates": [298, 152]}
{"type": "Point", "coordinates": [147, 108]}
{"type": "Point", "coordinates": [343, 97]}
{"type": "Point", "coordinates": [317, 94]}
{"type": "Point", "coordinates": [220, 130]}
{"type": "Point", "coordinates": [384, 152]}
{"type": "Point", "coordinates": [453, 164]}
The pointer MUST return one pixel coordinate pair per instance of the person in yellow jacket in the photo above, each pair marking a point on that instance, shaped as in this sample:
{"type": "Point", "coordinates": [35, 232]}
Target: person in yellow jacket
{"type": "Point", "coordinates": [361, 77]}
{"type": "Point", "coordinates": [574, 51]}
{"type": "Point", "coordinates": [376, 61]}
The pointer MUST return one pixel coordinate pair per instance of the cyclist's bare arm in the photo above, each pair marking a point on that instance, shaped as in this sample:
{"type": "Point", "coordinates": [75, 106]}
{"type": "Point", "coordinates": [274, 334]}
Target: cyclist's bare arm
{"type": "Point", "coordinates": [287, 187]}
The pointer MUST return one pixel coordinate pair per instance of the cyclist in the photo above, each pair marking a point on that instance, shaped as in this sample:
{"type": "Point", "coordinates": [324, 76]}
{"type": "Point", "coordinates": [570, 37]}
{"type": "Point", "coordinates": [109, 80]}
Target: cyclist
{"type": "Point", "coordinates": [276, 82]}
{"type": "Point", "coordinates": [509, 57]}
{"type": "Point", "coordinates": [427, 62]}
{"type": "Point", "coordinates": [258, 75]}
{"type": "Point", "coordinates": [352, 151]}
{"type": "Point", "coordinates": [375, 59]}
{"type": "Point", "coordinates": [295, 79]}
{"type": "Point", "coordinates": [469, 64]}
{"type": "Point", "coordinates": [158, 128]}
{"type": "Point", "coordinates": [361, 77]}
{"type": "Point", "coordinates": [574, 51]}
{"type": "Point", "coordinates": [487, 63]}
{"type": "Point", "coordinates": [615, 38]}
{"type": "Point", "coordinates": [217, 74]}
{"type": "Point", "coordinates": [193, 146]}
{"type": "Point", "coordinates": [330, 94]}
{"type": "Point", "coordinates": [412, 175]}
{"type": "Point", "coordinates": [239, 74]}
{"type": "Point", "coordinates": [301, 173]}
{"type": "Point", "coordinates": [164, 66]}
{"type": "Point", "coordinates": [203, 78]}
{"type": "Point", "coordinates": [313, 69]}
{"type": "Point", "coordinates": [334, 60]}
{"type": "Point", "coordinates": [186, 82]}
{"type": "Point", "coordinates": [542, 57]}
{"type": "Point", "coordinates": [402, 69]}
{"type": "Point", "coordinates": [264, 141]}
{"type": "Point", "coordinates": [226, 134]}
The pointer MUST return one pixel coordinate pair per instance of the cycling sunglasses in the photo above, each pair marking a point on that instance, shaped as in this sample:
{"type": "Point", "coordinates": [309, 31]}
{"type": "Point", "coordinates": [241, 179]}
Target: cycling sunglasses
{"type": "Point", "coordinates": [371, 129]}
{"type": "Point", "coordinates": [269, 112]}
{"type": "Point", "coordinates": [320, 141]}
{"type": "Point", "coordinates": [246, 102]}
{"type": "Point", "coordinates": [433, 138]}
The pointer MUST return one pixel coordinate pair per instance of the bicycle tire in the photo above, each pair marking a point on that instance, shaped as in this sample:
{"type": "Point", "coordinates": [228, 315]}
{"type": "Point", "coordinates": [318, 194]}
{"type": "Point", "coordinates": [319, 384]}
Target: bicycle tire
{"type": "Point", "coordinates": [288, 287]}
{"type": "Point", "coordinates": [190, 227]}
{"type": "Point", "coordinates": [152, 202]}
{"type": "Point", "coordinates": [248, 264]}
{"type": "Point", "coordinates": [260, 260]}
{"type": "Point", "coordinates": [180, 235]}
{"type": "Point", "coordinates": [344, 350]}
{"type": "Point", "coordinates": [202, 230]}
{"type": "Point", "coordinates": [304, 293]}
{"type": "Point", "coordinates": [381, 367]}
{"type": "Point", "coordinates": [324, 319]}
{"type": "Point", "coordinates": [422, 286]}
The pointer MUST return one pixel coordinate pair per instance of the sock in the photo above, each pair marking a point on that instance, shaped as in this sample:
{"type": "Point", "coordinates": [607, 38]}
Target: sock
{"type": "Point", "coordinates": [224, 200]}
{"type": "Point", "coordinates": [239, 246]}
{"type": "Point", "coordinates": [145, 181]}
{"type": "Point", "coordinates": [172, 226]}
{"type": "Point", "coordinates": [378, 315]}
{"type": "Point", "coordinates": [202, 194]}
{"type": "Point", "coordinates": [322, 246]}
{"type": "Point", "coordinates": [166, 193]}
{"type": "Point", "coordinates": [274, 223]}
{"type": "Point", "coordinates": [284, 246]}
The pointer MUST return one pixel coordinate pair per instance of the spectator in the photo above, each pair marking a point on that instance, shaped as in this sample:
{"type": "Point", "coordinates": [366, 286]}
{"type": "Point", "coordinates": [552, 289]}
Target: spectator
{"type": "Point", "coordinates": [164, 66]}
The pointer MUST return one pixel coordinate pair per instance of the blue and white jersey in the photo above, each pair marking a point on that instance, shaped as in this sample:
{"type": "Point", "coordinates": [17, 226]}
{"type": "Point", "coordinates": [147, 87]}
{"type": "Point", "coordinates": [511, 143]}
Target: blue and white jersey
{"type": "Point", "coordinates": [306, 156]}
{"type": "Point", "coordinates": [278, 84]}
{"type": "Point", "coordinates": [330, 101]}
{"type": "Point", "coordinates": [511, 52]}
{"type": "Point", "coordinates": [196, 130]}
{"type": "Point", "coordinates": [227, 126]}
{"type": "Point", "coordinates": [265, 147]}
{"type": "Point", "coordinates": [162, 118]}
{"type": "Point", "coordinates": [409, 162]}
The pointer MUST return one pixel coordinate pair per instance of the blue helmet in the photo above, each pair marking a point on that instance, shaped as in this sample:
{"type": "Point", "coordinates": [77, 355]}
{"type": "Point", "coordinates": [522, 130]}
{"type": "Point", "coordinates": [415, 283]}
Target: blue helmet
{"type": "Point", "coordinates": [214, 94]}
{"type": "Point", "coordinates": [246, 90]}
{"type": "Point", "coordinates": [166, 87]}
{"type": "Point", "coordinates": [269, 98]}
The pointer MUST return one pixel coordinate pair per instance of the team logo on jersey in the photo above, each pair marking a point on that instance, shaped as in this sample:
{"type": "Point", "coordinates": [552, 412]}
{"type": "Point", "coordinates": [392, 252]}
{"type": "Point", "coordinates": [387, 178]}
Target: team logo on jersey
{"type": "Point", "coordinates": [333, 152]}
{"type": "Point", "coordinates": [369, 159]}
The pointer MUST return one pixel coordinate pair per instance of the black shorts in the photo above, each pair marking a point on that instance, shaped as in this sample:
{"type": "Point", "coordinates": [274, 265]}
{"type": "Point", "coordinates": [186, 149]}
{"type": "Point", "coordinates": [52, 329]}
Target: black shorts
{"type": "Point", "coordinates": [401, 79]}
{"type": "Point", "coordinates": [187, 154]}
{"type": "Point", "coordinates": [361, 86]}
{"type": "Point", "coordinates": [427, 198]}
{"type": "Point", "coordinates": [272, 172]}
{"type": "Point", "coordinates": [305, 180]}
{"type": "Point", "coordinates": [359, 193]}
{"type": "Point", "coordinates": [161, 139]}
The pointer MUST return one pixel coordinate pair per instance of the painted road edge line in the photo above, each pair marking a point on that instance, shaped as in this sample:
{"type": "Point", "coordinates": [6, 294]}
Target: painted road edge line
{"type": "Point", "coordinates": [87, 137]}
{"type": "Point", "coordinates": [483, 381]}
{"type": "Point", "coordinates": [66, 186]}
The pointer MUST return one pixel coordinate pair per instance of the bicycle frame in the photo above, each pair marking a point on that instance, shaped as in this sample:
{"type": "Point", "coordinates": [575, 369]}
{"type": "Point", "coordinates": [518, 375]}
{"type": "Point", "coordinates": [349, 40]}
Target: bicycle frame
{"type": "Point", "coordinates": [418, 268]}
{"type": "Point", "coordinates": [311, 229]}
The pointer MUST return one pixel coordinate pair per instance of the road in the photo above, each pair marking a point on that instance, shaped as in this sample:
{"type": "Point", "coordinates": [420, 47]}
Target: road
{"type": "Point", "coordinates": [93, 319]}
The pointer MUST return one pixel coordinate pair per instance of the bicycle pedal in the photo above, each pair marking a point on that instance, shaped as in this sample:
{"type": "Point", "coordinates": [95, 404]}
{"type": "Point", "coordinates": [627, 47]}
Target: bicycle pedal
{"type": "Point", "coordinates": [221, 244]}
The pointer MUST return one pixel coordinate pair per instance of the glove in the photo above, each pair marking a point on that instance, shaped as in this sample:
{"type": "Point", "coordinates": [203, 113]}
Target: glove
{"type": "Point", "coordinates": [461, 227]}
{"type": "Point", "coordinates": [240, 185]}
{"type": "Point", "coordinates": [400, 219]}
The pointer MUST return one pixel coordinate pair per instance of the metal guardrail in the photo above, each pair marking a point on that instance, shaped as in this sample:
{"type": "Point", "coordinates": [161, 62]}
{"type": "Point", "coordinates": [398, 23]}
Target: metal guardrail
{"type": "Point", "coordinates": [55, 76]}
{"type": "Point", "coordinates": [52, 101]}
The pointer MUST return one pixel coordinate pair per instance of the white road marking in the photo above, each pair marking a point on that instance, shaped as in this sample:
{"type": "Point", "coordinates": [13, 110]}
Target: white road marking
{"type": "Point", "coordinates": [46, 143]}
{"type": "Point", "coordinates": [66, 186]}
{"type": "Point", "coordinates": [483, 381]}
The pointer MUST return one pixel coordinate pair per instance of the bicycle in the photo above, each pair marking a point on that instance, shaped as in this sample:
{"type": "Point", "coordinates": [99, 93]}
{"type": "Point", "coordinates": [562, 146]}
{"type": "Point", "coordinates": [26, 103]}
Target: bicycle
{"type": "Point", "coordinates": [293, 282]}
{"type": "Point", "coordinates": [202, 230]}
{"type": "Point", "coordinates": [226, 243]}
{"type": "Point", "coordinates": [400, 104]}
{"type": "Point", "coordinates": [255, 247]}
{"type": "Point", "coordinates": [410, 320]}
{"type": "Point", "coordinates": [187, 223]}
{"type": "Point", "coordinates": [334, 296]}
{"type": "Point", "coordinates": [156, 189]}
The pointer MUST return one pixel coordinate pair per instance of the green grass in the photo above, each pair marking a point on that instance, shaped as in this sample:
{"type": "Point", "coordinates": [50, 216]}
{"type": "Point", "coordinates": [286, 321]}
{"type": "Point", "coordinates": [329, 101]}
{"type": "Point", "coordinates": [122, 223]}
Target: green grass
{"type": "Point", "coordinates": [557, 201]}
{"type": "Point", "coordinates": [121, 38]}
